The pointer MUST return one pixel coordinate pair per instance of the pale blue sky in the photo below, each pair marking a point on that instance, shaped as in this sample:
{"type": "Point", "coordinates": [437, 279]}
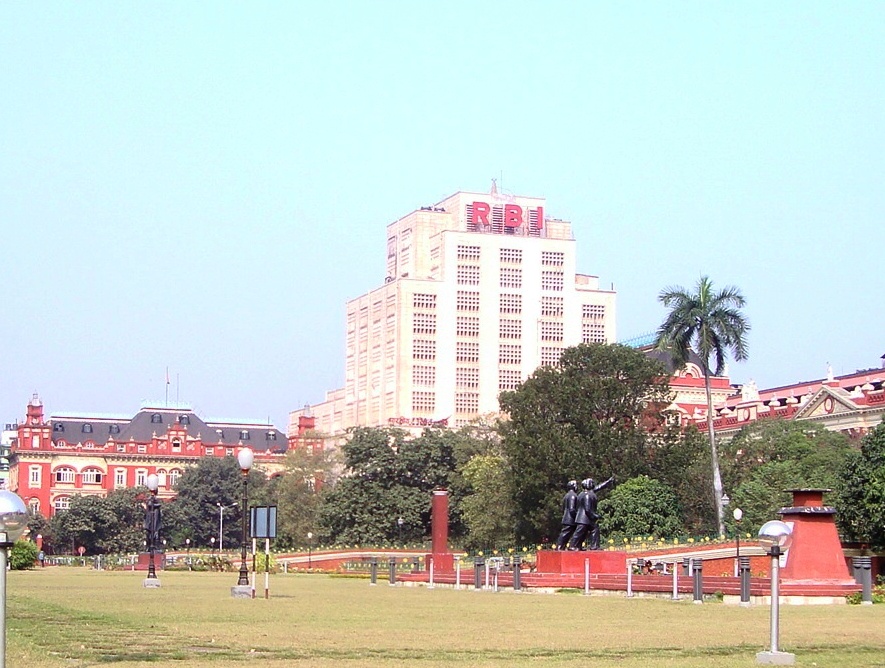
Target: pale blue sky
{"type": "Point", "coordinates": [203, 185]}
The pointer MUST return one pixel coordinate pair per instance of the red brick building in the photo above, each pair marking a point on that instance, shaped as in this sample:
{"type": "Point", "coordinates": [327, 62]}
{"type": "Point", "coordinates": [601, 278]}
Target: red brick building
{"type": "Point", "coordinates": [55, 458]}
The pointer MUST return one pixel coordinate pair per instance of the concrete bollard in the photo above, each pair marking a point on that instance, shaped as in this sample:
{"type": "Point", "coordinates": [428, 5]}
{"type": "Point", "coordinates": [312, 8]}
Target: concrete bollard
{"type": "Point", "coordinates": [686, 566]}
{"type": "Point", "coordinates": [478, 564]}
{"type": "Point", "coordinates": [517, 564]}
{"type": "Point", "coordinates": [863, 575]}
{"type": "Point", "coordinates": [744, 570]}
{"type": "Point", "coordinates": [391, 576]}
{"type": "Point", "coordinates": [697, 573]}
{"type": "Point", "coordinates": [374, 570]}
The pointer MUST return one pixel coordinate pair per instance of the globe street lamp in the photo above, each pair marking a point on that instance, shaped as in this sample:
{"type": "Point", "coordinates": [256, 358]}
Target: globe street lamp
{"type": "Point", "coordinates": [776, 536]}
{"type": "Point", "coordinates": [309, 548]}
{"type": "Point", "coordinates": [13, 521]}
{"type": "Point", "coordinates": [244, 458]}
{"type": "Point", "coordinates": [399, 526]}
{"type": "Point", "coordinates": [187, 541]}
{"type": "Point", "coordinates": [152, 527]}
{"type": "Point", "coordinates": [738, 514]}
{"type": "Point", "coordinates": [212, 539]}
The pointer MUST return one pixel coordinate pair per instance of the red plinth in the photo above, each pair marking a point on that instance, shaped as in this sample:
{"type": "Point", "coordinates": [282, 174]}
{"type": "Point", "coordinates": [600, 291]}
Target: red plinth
{"type": "Point", "coordinates": [600, 561]}
{"type": "Point", "coordinates": [816, 552]}
{"type": "Point", "coordinates": [439, 519]}
{"type": "Point", "coordinates": [443, 562]}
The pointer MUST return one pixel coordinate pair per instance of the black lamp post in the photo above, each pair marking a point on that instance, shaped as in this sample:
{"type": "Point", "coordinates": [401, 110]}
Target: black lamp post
{"type": "Point", "coordinates": [152, 523]}
{"type": "Point", "coordinates": [737, 513]}
{"type": "Point", "coordinates": [399, 526]}
{"type": "Point", "coordinates": [245, 458]}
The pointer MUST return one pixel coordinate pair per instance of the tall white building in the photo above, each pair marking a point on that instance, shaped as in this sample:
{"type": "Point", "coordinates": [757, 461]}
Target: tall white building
{"type": "Point", "coordinates": [480, 289]}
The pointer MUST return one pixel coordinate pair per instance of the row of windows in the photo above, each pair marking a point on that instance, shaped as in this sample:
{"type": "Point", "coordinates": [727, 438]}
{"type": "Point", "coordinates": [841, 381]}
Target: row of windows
{"type": "Point", "coordinates": [593, 311]}
{"type": "Point", "coordinates": [468, 274]}
{"type": "Point", "coordinates": [67, 475]}
{"type": "Point", "coordinates": [470, 253]}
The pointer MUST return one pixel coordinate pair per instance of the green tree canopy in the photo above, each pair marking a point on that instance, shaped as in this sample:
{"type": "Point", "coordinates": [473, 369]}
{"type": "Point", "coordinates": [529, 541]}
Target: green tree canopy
{"type": "Point", "coordinates": [640, 506]}
{"type": "Point", "coordinates": [860, 499]}
{"type": "Point", "coordinates": [590, 416]}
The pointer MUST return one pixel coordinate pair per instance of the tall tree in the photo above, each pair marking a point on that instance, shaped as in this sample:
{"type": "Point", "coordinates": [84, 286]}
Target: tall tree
{"type": "Point", "coordinates": [587, 417]}
{"type": "Point", "coordinates": [713, 324]}
{"type": "Point", "coordinates": [861, 492]}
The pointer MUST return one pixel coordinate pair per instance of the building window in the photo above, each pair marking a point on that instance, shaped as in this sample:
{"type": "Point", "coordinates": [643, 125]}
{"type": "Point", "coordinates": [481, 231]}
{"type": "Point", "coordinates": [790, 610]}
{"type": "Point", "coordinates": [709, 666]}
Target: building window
{"type": "Point", "coordinates": [552, 258]}
{"type": "Point", "coordinates": [551, 331]}
{"type": "Point", "coordinates": [176, 445]}
{"type": "Point", "coordinates": [270, 436]}
{"type": "Point", "coordinates": [92, 477]}
{"type": "Point", "coordinates": [114, 429]}
{"type": "Point", "coordinates": [593, 311]}
{"type": "Point", "coordinates": [466, 402]}
{"type": "Point", "coordinates": [87, 428]}
{"type": "Point", "coordinates": [592, 332]}
{"type": "Point", "coordinates": [119, 478]}
{"type": "Point", "coordinates": [552, 280]}
{"type": "Point", "coordinates": [511, 277]}
{"type": "Point", "coordinates": [34, 506]}
{"type": "Point", "coordinates": [174, 475]}
{"type": "Point", "coordinates": [423, 402]}
{"type": "Point", "coordinates": [35, 441]}
{"type": "Point", "coordinates": [58, 427]}
{"type": "Point", "coordinates": [34, 476]}
{"type": "Point", "coordinates": [509, 379]}
{"type": "Point", "coordinates": [420, 300]}
{"type": "Point", "coordinates": [423, 349]}
{"type": "Point", "coordinates": [551, 306]}
{"type": "Point", "coordinates": [467, 378]}
{"type": "Point", "coordinates": [64, 475]}
{"type": "Point", "coordinates": [141, 477]}
{"type": "Point", "coordinates": [466, 352]}
{"type": "Point", "coordinates": [467, 301]}
{"type": "Point", "coordinates": [470, 253]}
{"type": "Point", "coordinates": [121, 447]}
{"type": "Point", "coordinates": [509, 354]}
{"type": "Point", "coordinates": [468, 274]}
{"type": "Point", "coordinates": [510, 329]}
{"type": "Point", "coordinates": [142, 448]}
{"type": "Point", "coordinates": [511, 256]}
{"type": "Point", "coordinates": [424, 376]}
{"type": "Point", "coordinates": [62, 503]}
{"type": "Point", "coordinates": [424, 323]}
{"type": "Point", "coordinates": [510, 304]}
{"type": "Point", "coordinates": [244, 435]}
{"type": "Point", "coordinates": [156, 418]}
{"type": "Point", "coordinates": [550, 356]}
{"type": "Point", "coordinates": [467, 326]}
{"type": "Point", "coordinates": [184, 419]}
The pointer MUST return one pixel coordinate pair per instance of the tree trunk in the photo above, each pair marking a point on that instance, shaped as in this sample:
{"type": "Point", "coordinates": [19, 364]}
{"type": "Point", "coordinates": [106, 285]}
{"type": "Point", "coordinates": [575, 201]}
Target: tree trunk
{"type": "Point", "coordinates": [714, 455]}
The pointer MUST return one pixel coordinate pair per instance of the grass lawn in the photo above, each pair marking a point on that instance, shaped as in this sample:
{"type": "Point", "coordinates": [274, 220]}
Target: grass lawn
{"type": "Point", "coordinates": [74, 617]}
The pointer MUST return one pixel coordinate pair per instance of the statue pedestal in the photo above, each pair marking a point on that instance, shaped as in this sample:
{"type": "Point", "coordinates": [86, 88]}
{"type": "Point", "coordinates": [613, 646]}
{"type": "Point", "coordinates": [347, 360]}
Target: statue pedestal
{"type": "Point", "coordinates": [151, 583]}
{"type": "Point", "coordinates": [600, 561]}
{"type": "Point", "coordinates": [241, 591]}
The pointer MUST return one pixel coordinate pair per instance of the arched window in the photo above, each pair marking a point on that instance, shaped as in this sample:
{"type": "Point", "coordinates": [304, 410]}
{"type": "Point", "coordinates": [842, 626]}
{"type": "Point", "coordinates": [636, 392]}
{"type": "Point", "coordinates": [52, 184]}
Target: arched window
{"type": "Point", "coordinates": [161, 477]}
{"type": "Point", "coordinates": [87, 428]}
{"type": "Point", "coordinates": [184, 419]}
{"type": "Point", "coordinates": [176, 445]}
{"type": "Point", "coordinates": [62, 503]}
{"type": "Point", "coordinates": [174, 475]}
{"type": "Point", "coordinates": [34, 505]}
{"type": "Point", "coordinates": [64, 474]}
{"type": "Point", "coordinates": [244, 435]}
{"type": "Point", "coordinates": [92, 477]}
{"type": "Point", "coordinates": [59, 427]}
{"type": "Point", "coordinates": [270, 436]}
{"type": "Point", "coordinates": [156, 418]}
{"type": "Point", "coordinates": [114, 429]}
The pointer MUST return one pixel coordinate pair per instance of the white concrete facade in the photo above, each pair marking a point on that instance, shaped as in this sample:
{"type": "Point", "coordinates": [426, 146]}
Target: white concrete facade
{"type": "Point", "coordinates": [480, 290]}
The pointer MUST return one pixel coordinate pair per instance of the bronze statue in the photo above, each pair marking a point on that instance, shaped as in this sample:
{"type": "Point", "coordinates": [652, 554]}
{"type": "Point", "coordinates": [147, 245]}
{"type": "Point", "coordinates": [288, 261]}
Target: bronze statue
{"type": "Point", "coordinates": [152, 522]}
{"type": "Point", "coordinates": [569, 511]}
{"type": "Point", "coordinates": [586, 518]}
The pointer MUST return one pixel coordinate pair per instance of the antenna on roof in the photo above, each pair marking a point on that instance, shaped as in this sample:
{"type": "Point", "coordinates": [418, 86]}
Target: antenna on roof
{"type": "Point", "coordinates": [494, 190]}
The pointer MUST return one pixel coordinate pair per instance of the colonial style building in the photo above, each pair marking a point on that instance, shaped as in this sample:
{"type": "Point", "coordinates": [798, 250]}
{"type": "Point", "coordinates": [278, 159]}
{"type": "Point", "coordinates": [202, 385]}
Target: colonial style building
{"type": "Point", "coordinates": [55, 458]}
{"type": "Point", "coordinates": [479, 290]}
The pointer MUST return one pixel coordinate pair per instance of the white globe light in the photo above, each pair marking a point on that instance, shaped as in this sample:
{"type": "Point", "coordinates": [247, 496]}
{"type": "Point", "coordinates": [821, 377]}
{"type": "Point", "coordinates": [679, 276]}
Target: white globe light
{"type": "Point", "coordinates": [13, 515]}
{"type": "Point", "coordinates": [738, 514]}
{"type": "Point", "coordinates": [776, 534]}
{"type": "Point", "coordinates": [245, 458]}
{"type": "Point", "coordinates": [153, 482]}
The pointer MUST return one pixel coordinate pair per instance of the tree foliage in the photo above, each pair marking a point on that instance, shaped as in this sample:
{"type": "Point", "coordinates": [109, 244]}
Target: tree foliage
{"type": "Point", "coordinates": [590, 416]}
{"type": "Point", "coordinates": [860, 498]}
{"type": "Point", "coordinates": [388, 476]}
{"type": "Point", "coordinates": [101, 525]}
{"type": "Point", "coordinates": [640, 506]}
{"type": "Point", "coordinates": [297, 497]}
{"type": "Point", "coordinates": [713, 324]}
{"type": "Point", "coordinates": [769, 457]}
{"type": "Point", "coordinates": [22, 555]}
{"type": "Point", "coordinates": [487, 511]}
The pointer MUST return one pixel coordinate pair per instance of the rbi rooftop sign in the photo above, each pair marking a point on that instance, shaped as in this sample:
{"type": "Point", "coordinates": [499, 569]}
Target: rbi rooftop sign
{"type": "Point", "coordinates": [511, 215]}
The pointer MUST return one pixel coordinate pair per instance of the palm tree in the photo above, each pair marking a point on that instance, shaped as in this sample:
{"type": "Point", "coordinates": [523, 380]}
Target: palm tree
{"type": "Point", "coordinates": [711, 323]}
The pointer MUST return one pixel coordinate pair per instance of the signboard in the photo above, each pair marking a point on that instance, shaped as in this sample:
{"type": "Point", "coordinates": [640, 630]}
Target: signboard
{"type": "Point", "coordinates": [511, 215]}
{"type": "Point", "coordinates": [263, 521]}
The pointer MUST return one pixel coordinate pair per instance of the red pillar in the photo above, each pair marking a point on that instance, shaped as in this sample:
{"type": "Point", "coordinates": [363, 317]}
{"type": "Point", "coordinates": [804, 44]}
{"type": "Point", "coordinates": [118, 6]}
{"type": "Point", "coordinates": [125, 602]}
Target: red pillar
{"type": "Point", "coordinates": [443, 560]}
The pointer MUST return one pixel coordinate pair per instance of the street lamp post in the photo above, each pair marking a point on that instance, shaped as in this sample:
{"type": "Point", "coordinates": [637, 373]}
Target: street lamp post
{"type": "Point", "coordinates": [13, 522]}
{"type": "Point", "coordinates": [776, 536]}
{"type": "Point", "coordinates": [399, 526]}
{"type": "Point", "coordinates": [244, 458]}
{"type": "Point", "coordinates": [737, 513]}
{"type": "Point", "coordinates": [212, 540]}
{"type": "Point", "coordinates": [187, 541]}
{"type": "Point", "coordinates": [309, 548]}
{"type": "Point", "coordinates": [152, 528]}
